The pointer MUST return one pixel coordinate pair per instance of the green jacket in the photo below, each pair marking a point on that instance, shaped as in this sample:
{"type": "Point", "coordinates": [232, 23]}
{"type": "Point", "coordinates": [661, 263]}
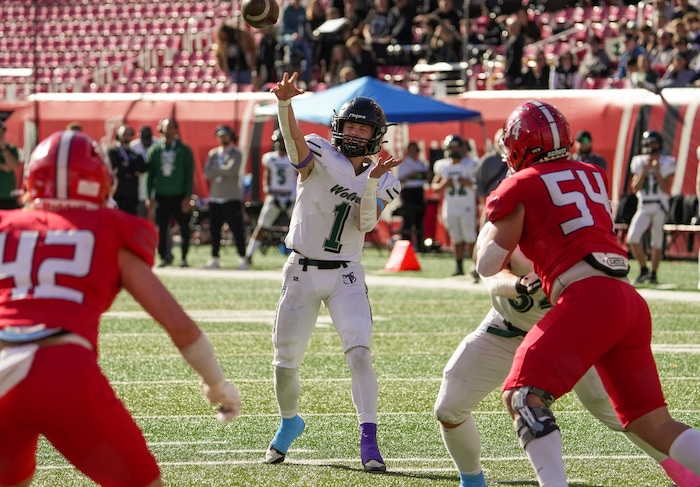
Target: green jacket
{"type": "Point", "coordinates": [170, 169]}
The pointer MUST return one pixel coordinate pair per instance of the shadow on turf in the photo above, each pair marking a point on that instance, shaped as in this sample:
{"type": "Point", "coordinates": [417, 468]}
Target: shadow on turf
{"type": "Point", "coordinates": [428, 476]}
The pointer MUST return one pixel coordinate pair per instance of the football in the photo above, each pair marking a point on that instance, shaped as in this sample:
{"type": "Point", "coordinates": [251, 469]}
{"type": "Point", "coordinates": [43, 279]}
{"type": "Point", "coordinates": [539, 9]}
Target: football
{"type": "Point", "coordinates": [260, 14]}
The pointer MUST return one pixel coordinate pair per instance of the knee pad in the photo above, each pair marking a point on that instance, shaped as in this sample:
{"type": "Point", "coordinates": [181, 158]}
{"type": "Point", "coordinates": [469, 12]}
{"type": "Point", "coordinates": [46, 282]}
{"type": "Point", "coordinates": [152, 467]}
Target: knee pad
{"type": "Point", "coordinates": [533, 422]}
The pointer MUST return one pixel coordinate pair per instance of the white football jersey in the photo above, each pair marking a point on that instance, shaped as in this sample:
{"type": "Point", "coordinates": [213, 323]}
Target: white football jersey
{"type": "Point", "coordinates": [283, 176]}
{"type": "Point", "coordinates": [525, 310]}
{"type": "Point", "coordinates": [650, 189]}
{"type": "Point", "coordinates": [324, 221]}
{"type": "Point", "coordinates": [458, 195]}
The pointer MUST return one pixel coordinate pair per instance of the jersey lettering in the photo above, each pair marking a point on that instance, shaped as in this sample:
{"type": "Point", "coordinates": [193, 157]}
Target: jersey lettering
{"type": "Point", "coordinates": [45, 287]}
{"type": "Point", "coordinates": [577, 198]}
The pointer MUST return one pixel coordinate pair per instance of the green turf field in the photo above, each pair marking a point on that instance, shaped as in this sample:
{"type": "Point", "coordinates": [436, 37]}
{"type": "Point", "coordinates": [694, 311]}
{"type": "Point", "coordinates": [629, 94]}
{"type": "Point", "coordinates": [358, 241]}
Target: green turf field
{"type": "Point", "coordinates": [417, 327]}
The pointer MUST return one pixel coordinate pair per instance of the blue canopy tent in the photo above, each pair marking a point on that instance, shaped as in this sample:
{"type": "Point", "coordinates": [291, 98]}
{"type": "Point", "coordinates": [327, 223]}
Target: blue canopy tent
{"type": "Point", "coordinates": [400, 105]}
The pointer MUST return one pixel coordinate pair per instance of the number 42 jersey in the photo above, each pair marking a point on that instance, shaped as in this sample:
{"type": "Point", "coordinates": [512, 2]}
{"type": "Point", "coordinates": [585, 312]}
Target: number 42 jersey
{"type": "Point", "coordinates": [60, 269]}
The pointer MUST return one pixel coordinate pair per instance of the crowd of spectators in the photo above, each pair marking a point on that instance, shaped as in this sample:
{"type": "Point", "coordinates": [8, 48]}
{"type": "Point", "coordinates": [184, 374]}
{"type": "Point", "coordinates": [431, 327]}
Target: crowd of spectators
{"type": "Point", "coordinates": [332, 41]}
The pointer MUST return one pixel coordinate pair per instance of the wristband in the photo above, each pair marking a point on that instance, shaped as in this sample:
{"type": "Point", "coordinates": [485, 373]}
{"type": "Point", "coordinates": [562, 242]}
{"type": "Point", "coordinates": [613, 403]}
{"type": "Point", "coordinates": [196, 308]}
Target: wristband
{"type": "Point", "coordinates": [284, 103]}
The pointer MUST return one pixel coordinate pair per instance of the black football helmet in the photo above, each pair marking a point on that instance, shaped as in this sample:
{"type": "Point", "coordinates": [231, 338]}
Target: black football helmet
{"type": "Point", "coordinates": [360, 110]}
{"type": "Point", "coordinates": [454, 146]}
{"type": "Point", "coordinates": [652, 141]}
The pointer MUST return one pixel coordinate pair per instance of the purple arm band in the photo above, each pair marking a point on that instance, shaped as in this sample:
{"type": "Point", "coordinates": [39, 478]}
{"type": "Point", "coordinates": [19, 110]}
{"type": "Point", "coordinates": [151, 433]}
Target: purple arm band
{"type": "Point", "coordinates": [305, 162]}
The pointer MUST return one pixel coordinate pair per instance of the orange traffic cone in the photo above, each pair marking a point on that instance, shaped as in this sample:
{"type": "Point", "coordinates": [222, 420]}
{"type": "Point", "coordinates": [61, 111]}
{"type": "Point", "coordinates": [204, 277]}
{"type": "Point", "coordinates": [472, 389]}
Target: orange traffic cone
{"type": "Point", "coordinates": [402, 258]}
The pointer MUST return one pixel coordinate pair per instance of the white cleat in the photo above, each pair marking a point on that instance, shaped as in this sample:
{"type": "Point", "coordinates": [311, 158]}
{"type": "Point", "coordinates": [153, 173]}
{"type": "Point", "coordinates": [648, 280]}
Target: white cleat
{"type": "Point", "coordinates": [243, 264]}
{"type": "Point", "coordinates": [273, 455]}
{"type": "Point", "coordinates": [213, 263]}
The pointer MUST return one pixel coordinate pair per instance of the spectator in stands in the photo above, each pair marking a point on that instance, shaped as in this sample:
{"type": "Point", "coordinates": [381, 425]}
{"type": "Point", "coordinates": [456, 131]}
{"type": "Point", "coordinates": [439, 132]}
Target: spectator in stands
{"type": "Point", "coordinates": [662, 53]}
{"type": "Point", "coordinates": [75, 126]}
{"type": "Point", "coordinates": [339, 56]}
{"type": "Point", "coordinates": [446, 11]}
{"type": "Point", "coordinates": [513, 69]}
{"type": "Point", "coordinates": [631, 78]}
{"type": "Point", "coordinates": [692, 20]}
{"type": "Point", "coordinates": [565, 75]}
{"type": "Point", "coordinates": [224, 169]}
{"type": "Point", "coordinates": [315, 17]}
{"type": "Point", "coordinates": [595, 63]}
{"type": "Point", "coordinates": [376, 31]}
{"type": "Point", "coordinates": [413, 172]}
{"type": "Point", "coordinates": [537, 75]}
{"type": "Point", "coordinates": [356, 12]}
{"type": "Point", "coordinates": [663, 11]}
{"type": "Point", "coordinates": [236, 53]}
{"type": "Point", "coordinates": [400, 19]}
{"type": "Point", "coordinates": [347, 73]}
{"type": "Point", "coordinates": [631, 50]}
{"type": "Point", "coordinates": [266, 65]}
{"type": "Point", "coordinates": [169, 188]}
{"type": "Point", "coordinates": [583, 150]}
{"type": "Point", "coordinates": [293, 37]}
{"type": "Point", "coordinates": [652, 175]}
{"type": "Point", "coordinates": [678, 74]}
{"type": "Point", "coordinates": [677, 27]}
{"type": "Point", "coordinates": [128, 166]}
{"type": "Point", "coordinates": [140, 146]}
{"type": "Point", "coordinates": [682, 8]}
{"type": "Point", "coordinates": [530, 28]}
{"type": "Point", "coordinates": [647, 77]}
{"type": "Point", "coordinates": [645, 37]}
{"type": "Point", "coordinates": [360, 58]}
{"type": "Point", "coordinates": [681, 45]}
{"type": "Point", "coordinates": [446, 44]}
{"type": "Point", "coordinates": [329, 39]}
{"type": "Point", "coordinates": [9, 162]}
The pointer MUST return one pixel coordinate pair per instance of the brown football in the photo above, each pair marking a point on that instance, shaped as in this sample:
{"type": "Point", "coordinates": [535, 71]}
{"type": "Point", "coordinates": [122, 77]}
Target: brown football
{"type": "Point", "coordinates": [260, 14]}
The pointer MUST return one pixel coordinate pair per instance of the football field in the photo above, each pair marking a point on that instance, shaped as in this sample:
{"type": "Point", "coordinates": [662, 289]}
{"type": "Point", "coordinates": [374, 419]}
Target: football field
{"type": "Point", "coordinates": [420, 318]}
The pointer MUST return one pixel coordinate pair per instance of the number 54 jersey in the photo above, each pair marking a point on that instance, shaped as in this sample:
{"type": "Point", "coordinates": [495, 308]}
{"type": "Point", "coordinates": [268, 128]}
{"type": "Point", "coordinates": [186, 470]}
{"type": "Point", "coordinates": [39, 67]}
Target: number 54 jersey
{"type": "Point", "coordinates": [567, 214]}
{"type": "Point", "coordinates": [61, 269]}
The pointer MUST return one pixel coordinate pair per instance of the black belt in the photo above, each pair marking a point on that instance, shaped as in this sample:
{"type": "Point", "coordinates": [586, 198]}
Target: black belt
{"type": "Point", "coordinates": [322, 264]}
{"type": "Point", "coordinates": [511, 332]}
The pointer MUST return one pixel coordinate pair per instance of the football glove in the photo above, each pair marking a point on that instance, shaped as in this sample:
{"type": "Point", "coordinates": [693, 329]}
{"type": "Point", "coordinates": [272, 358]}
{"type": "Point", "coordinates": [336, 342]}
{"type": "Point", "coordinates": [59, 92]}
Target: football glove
{"type": "Point", "coordinates": [227, 396]}
{"type": "Point", "coordinates": [528, 284]}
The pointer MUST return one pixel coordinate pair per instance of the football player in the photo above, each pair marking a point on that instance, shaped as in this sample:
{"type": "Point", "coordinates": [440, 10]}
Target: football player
{"type": "Point", "coordinates": [280, 184]}
{"type": "Point", "coordinates": [652, 176]}
{"type": "Point", "coordinates": [559, 214]}
{"type": "Point", "coordinates": [341, 192]}
{"type": "Point", "coordinates": [65, 258]}
{"type": "Point", "coordinates": [455, 177]}
{"type": "Point", "coordinates": [481, 363]}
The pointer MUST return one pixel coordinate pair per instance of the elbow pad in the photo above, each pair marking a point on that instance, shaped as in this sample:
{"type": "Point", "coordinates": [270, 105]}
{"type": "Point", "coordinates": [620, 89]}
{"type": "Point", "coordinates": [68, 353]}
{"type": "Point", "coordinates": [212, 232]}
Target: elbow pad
{"type": "Point", "coordinates": [368, 205]}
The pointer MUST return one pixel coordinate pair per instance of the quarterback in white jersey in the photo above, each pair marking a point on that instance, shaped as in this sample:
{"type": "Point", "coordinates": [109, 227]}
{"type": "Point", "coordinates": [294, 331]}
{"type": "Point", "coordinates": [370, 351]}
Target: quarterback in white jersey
{"type": "Point", "coordinates": [455, 178]}
{"type": "Point", "coordinates": [280, 185]}
{"type": "Point", "coordinates": [341, 192]}
{"type": "Point", "coordinates": [652, 175]}
{"type": "Point", "coordinates": [483, 359]}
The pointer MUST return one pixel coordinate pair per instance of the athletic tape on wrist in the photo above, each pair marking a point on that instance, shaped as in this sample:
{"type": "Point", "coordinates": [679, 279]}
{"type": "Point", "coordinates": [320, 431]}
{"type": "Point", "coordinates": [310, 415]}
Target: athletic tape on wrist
{"type": "Point", "coordinates": [368, 205]}
{"type": "Point", "coordinates": [286, 130]}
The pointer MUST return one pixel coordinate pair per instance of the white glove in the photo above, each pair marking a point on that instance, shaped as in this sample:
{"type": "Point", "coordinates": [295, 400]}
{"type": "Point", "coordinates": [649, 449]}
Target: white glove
{"type": "Point", "coordinates": [227, 396]}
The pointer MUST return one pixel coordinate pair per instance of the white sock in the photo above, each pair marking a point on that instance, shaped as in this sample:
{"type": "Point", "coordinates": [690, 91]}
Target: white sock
{"type": "Point", "coordinates": [365, 390]}
{"type": "Point", "coordinates": [464, 446]}
{"type": "Point", "coordinates": [287, 390]}
{"type": "Point", "coordinates": [686, 450]}
{"type": "Point", "coordinates": [645, 447]}
{"type": "Point", "coordinates": [545, 454]}
{"type": "Point", "coordinates": [252, 247]}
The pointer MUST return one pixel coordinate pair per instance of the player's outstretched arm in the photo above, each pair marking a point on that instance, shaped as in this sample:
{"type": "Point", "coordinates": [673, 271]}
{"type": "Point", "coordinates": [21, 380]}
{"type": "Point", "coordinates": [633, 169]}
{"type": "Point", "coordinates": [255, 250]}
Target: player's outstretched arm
{"type": "Point", "coordinates": [297, 149]}
{"type": "Point", "coordinates": [140, 281]}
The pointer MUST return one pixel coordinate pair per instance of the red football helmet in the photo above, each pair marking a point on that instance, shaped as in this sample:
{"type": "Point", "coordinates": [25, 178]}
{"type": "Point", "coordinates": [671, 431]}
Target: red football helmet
{"type": "Point", "coordinates": [535, 132]}
{"type": "Point", "coordinates": [67, 170]}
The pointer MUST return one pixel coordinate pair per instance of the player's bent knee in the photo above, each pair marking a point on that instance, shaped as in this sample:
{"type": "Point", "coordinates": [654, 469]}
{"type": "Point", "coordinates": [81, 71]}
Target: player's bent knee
{"type": "Point", "coordinates": [359, 358]}
{"type": "Point", "coordinates": [532, 422]}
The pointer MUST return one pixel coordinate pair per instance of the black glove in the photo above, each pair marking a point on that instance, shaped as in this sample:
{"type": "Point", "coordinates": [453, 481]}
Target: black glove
{"type": "Point", "coordinates": [528, 284]}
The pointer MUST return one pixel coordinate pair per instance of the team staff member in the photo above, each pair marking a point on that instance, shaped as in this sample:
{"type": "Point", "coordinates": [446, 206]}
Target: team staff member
{"type": "Point", "coordinates": [224, 170]}
{"type": "Point", "coordinates": [128, 167]}
{"type": "Point", "coordinates": [9, 162]}
{"type": "Point", "coordinates": [559, 214]}
{"type": "Point", "coordinates": [169, 185]}
{"type": "Point", "coordinates": [341, 193]}
{"type": "Point", "coordinates": [50, 381]}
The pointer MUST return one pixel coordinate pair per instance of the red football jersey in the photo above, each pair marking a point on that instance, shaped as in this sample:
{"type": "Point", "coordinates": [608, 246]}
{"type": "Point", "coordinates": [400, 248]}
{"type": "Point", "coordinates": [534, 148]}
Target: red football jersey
{"type": "Point", "coordinates": [61, 269]}
{"type": "Point", "coordinates": [567, 214]}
